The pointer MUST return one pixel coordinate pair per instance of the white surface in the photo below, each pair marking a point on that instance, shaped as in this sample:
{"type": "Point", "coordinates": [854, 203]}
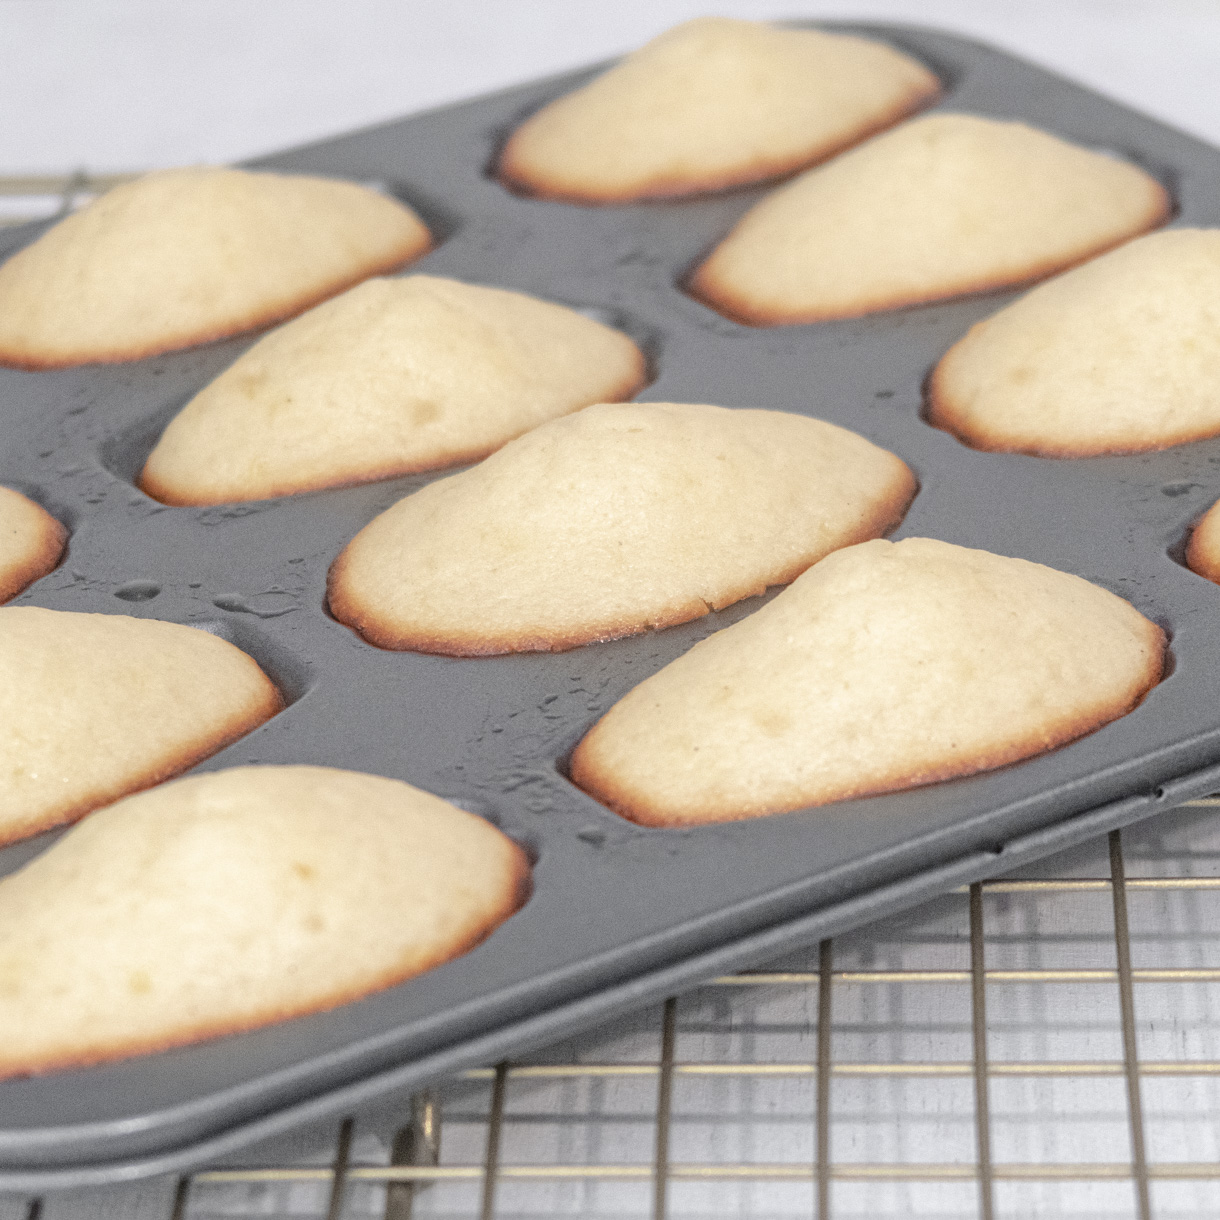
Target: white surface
{"type": "Point", "coordinates": [114, 85]}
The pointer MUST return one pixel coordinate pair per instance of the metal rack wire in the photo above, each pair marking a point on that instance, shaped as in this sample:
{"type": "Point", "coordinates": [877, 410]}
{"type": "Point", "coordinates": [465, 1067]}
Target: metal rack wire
{"type": "Point", "coordinates": [748, 1097]}
{"type": "Point", "coordinates": [1045, 1044]}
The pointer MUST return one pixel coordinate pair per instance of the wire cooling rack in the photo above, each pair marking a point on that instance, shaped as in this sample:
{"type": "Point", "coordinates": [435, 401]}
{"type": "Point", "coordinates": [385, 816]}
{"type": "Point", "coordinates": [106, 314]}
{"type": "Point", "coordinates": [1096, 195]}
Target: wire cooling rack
{"type": "Point", "coordinates": [1042, 1045]}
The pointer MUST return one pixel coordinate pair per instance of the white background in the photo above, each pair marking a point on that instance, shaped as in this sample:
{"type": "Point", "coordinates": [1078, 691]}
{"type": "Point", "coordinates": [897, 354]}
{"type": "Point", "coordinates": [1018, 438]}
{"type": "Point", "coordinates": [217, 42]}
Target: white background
{"type": "Point", "coordinates": [112, 85]}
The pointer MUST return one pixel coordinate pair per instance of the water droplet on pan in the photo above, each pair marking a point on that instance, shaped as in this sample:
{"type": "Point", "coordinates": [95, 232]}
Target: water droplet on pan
{"type": "Point", "coordinates": [261, 605]}
{"type": "Point", "coordinates": [138, 591]}
{"type": "Point", "coordinates": [1178, 489]}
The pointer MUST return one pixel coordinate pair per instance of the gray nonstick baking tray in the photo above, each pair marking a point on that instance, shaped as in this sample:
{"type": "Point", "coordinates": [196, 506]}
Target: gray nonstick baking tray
{"type": "Point", "coordinates": [620, 914]}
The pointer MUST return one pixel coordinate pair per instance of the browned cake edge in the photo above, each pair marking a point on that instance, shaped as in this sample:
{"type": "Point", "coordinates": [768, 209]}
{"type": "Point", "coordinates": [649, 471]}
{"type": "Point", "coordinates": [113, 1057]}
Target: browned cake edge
{"type": "Point", "coordinates": [594, 778]}
{"type": "Point", "coordinates": [705, 287]}
{"type": "Point", "coordinates": [522, 181]}
{"type": "Point", "coordinates": [31, 361]}
{"type": "Point", "coordinates": [159, 770]}
{"type": "Point", "coordinates": [516, 893]}
{"type": "Point", "coordinates": [44, 558]}
{"type": "Point", "coordinates": [944, 411]}
{"type": "Point", "coordinates": [628, 388]}
{"type": "Point", "coordinates": [886, 514]}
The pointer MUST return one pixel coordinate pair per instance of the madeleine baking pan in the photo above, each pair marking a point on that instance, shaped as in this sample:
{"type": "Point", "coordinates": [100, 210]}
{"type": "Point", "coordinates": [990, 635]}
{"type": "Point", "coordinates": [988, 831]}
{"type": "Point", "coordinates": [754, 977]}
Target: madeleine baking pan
{"type": "Point", "coordinates": [620, 914]}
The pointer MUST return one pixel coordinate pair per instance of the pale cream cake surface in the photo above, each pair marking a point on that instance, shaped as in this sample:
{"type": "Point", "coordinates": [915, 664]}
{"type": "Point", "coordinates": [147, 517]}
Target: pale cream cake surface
{"type": "Point", "coordinates": [610, 521]}
{"type": "Point", "coordinates": [31, 542]}
{"type": "Point", "coordinates": [184, 256]}
{"type": "Point", "coordinates": [939, 207]}
{"type": "Point", "coordinates": [394, 376]}
{"type": "Point", "coordinates": [93, 706]}
{"type": "Point", "coordinates": [1117, 356]}
{"type": "Point", "coordinates": [227, 901]}
{"type": "Point", "coordinates": [885, 666]}
{"type": "Point", "coordinates": [709, 104]}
